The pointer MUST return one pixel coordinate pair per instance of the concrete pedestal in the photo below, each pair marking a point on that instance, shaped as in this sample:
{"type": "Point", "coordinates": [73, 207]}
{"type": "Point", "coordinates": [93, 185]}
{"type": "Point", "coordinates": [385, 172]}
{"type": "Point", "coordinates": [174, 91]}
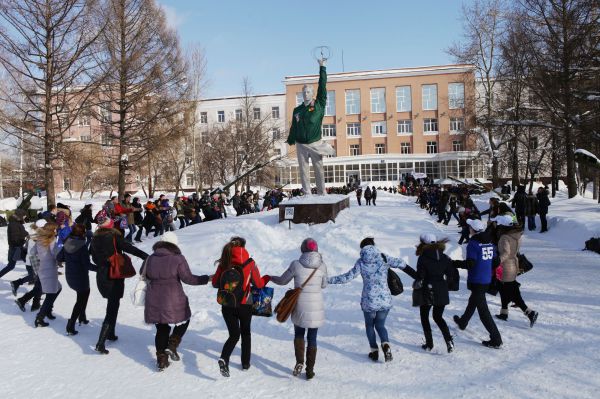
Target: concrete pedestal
{"type": "Point", "coordinates": [314, 209]}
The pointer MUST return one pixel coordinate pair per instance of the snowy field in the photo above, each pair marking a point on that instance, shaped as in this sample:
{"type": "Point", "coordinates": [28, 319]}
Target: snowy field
{"type": "Point", "coordinates": [558, 358]}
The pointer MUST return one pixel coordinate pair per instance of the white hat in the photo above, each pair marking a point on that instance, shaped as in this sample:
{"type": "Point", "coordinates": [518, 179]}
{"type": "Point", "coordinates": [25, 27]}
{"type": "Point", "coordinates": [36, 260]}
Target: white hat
{"type": "Point", "coordinates": [171, 237]}
{"type": "Point", "coordinates": [41, 223]}
{"type": "Point", "coordinates": [503, 220]}
{"type": "Point", "coordinates": [88, 202]}
{"type": "Point", "coordinates": [428, 238]}
{"type": "Point", "coordinates": [476, 224]}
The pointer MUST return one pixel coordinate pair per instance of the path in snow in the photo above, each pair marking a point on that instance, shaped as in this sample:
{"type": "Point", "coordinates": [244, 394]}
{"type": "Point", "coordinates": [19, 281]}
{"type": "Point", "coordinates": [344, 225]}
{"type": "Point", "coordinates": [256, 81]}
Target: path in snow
{"type": "Point", "coordinates": [558, 358]}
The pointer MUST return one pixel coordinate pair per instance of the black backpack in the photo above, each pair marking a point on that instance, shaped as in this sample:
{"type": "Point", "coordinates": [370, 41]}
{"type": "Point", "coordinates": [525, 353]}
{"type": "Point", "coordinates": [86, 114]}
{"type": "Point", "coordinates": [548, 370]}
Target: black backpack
{"type": "Point", "coordinates": [231, 286]}
{"type": "Point", "coordinates": [393, 280]}
{"type": "Point", "coordinates": [593, 244]}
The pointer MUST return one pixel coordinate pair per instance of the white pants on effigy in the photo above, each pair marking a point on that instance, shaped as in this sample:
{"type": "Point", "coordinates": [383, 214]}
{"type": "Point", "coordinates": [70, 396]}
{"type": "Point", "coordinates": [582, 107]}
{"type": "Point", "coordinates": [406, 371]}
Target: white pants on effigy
{"type": "Point", "coordinates": [315, 151]}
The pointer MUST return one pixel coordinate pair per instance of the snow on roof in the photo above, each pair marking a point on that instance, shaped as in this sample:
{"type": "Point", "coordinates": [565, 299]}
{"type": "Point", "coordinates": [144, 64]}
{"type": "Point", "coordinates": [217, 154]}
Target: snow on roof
{"type": "Point", "coordinates": [586, 152]}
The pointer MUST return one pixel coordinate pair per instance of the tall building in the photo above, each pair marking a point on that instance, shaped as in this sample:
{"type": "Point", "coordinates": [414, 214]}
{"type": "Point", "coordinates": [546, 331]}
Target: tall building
{"type": "Point", "coordinates": [388, 123]}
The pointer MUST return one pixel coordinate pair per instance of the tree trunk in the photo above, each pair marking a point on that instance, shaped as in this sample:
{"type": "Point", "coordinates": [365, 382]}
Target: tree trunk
{"type": "Point", "coordinates": [571, 181]}
{"type": "Point", "coordinates": [515, 161]}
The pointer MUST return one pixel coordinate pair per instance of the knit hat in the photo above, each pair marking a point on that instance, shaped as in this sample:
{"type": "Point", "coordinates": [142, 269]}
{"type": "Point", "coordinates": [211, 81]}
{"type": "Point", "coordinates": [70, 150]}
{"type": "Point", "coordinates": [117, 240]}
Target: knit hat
{"type": "Point", "coordinates": [103, 219]}
{"type": "Point", "coordinates": [88, 202]}
{"type": "Point", "coordinates": [309, 245]}
{"type": "Point", "coordinates": [503, 220]}
{"type": "Point", "coordinates": [40, 223]}
{"type": "Point", "coordinates": [476, 224]}
{"type": "Point", "coordinates": [171, 237]}
{"type": "Point", "coordinates": [428, 238]}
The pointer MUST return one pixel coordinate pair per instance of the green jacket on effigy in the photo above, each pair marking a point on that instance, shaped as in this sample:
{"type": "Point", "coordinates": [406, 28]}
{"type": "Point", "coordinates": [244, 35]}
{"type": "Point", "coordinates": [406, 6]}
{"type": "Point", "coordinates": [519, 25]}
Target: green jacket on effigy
{"type": "Point", "coordinates": [306, 120]}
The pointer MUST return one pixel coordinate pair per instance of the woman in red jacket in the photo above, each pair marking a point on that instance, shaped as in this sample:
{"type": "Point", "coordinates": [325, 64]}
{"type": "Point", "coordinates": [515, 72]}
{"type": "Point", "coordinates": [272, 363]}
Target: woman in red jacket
{"type": "Point", "coordinates": [235, 271]}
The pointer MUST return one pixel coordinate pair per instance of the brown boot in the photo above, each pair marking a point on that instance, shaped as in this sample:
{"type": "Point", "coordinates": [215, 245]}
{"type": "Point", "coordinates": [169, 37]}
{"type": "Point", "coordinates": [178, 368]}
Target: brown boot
{"type": "Point", "coordinates": [311, 356]}
{"type": "Point", "coordinates": [299, 351]}
{"type": "Point", "coordinates": [162, 360]}
{"type": "Point", "coordinates": [171, 350]}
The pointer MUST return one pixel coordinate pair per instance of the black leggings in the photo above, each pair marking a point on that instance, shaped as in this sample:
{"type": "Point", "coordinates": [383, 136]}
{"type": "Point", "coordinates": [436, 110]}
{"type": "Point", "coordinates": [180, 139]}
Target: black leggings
{"type": "Point", "coordinates": [438, 312]}
{"type": "Point", "coordinates": [112, 310]}
{"type": "Point", "coordinates": [238, 322]}
{"type": "Point", "coordinates": [163, 331]}
{"type": "Point", "coordinates": [510, 292]}
{"type": "Point", "coordinates": [80, 305]}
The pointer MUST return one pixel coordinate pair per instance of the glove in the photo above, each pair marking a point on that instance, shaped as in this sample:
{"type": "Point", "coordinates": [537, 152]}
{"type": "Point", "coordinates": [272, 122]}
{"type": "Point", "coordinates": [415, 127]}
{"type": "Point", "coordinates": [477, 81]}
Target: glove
{"type": "Point", "coordinates": [266, 279]}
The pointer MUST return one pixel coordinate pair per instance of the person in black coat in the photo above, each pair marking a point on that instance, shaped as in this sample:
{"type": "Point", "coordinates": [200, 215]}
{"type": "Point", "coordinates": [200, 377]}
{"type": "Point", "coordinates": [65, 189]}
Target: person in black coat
{"type": "Point", "coordinates": [518, 204]}
{"type": "Point", "coordinates": [359, 195]}
{"type": "Point", "coordinates": [431, 287]}
{"type": "Point", "coordinates": [76, 256]}
{"type": "Point", "coordinates": [104, 243]}
{"type": "Point", "coordinates": [17, 237]}
{"type": "Point", "coordinates": [368, 195]}
{"type": "Point", "coordinates": [86, 218]}
{"type": "Point", "coordinates": [543, 204]}
{"type": "Point", "coordinates": [374, 195]}
{"type": "Point", "coordinates": [138, 219]}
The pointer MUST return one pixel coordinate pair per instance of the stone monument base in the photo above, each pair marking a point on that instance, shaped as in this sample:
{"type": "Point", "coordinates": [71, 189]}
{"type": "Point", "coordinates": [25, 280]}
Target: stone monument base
{"type": "Point", "coordinates": [313, 209]}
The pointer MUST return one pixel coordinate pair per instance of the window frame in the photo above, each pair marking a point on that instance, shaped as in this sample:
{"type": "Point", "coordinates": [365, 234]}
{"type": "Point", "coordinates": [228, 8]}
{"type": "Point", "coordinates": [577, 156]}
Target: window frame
{"type": "Point", "coordinates": [355, 103]}
{"type": "Point", "coordinates": [428, 97]}
{"type": "Point", "coordinates": [398, 108]}
{"type": "Point", "coordinates": [356, 125]}
{"type": "Point", "coordinates": [379, 146]}
{"type": "Point", "coordinates": [330, 104]}
{"type": "Point", "coordinates": [457, 120]}
{"type": "Point", "coordinates": [221, 115]}
{"type": "Point", "coordinates": [354, 147]}
{"type": "Point", "coordinates": [375, 125]}
{"type": "Point", "coordinates": [406, 145]}
{"type": "Point", "coordinates": [432, 145]}
{"type": "Point", "coordinates": [326, 129]}
{"type": "Point", "coordinates": [275, 112]}
{"type": "Point", "coordinates": [373, 91]}
{"type": "Point", "coordinates": [400, 122]}
{"type": "Point", "coordinates": [431, 122]}
{"type": "Point", "coordinates": [455, 103]}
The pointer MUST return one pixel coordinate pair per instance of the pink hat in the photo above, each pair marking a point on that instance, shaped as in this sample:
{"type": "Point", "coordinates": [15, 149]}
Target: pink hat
{"type": "Point", "coordinates": [309, 245]}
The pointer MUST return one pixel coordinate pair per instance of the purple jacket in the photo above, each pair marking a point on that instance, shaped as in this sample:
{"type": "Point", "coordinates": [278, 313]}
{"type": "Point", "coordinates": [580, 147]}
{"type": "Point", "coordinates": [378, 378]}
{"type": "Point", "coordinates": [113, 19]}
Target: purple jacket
{"type": "Point", "coordinates": [166, 269]}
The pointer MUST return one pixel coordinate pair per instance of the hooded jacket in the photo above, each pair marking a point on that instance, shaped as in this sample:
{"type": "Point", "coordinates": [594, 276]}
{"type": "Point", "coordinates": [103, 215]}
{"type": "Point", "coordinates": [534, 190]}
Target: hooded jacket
{"type": "Point", "coordinates": [508, 248]}
{"type": "Point", "coordinates": [376, 294]}
{"type": "Point", "coordinates": [16, 232]}
{"type": "Point", "coordinates": [48, 270]}
{"type": "Point", "coordinates": [310, 309]}
{"type": "Point", "coordinates": [433, 267]}
{"type": "Point", "coordinates": [76, 256]}
{"type": "Point", "coordinates": [166, 269]}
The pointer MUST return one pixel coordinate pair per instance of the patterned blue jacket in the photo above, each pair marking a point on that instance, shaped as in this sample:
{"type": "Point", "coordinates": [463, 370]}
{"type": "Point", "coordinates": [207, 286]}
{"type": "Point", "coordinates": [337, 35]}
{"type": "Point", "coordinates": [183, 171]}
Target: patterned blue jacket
{"type": "Point", "coordinates": [376, 294]}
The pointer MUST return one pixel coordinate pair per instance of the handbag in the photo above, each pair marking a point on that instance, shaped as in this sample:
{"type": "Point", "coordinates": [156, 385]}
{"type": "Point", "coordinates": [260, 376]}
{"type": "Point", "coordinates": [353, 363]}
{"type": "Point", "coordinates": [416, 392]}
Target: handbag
{"type": "Point", "coordinates": [262, 299]}
{"type": "Point", "coordinates": [286, 305]}
{"type": "Point", "coordinates": [524, 264]}
{"type": "Point", "coordinates": [393, 280]}
{"type": "Point", "coordinates": [138, 296]}
{"type": "Point", "coordinates": [120, 265]}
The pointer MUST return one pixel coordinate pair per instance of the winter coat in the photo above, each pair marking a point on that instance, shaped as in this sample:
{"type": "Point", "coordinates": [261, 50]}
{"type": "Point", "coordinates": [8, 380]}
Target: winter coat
{"type": "Point", "coordinates": [48, 270]}
{"type": "Point", "coordinates": [518, 202]}
{"type": "Point", "coordinates": [16, 233]}
{"type": "Point", "coordinates": [239, 256]}
{"type": "Point", "coordinates": [531, 205]}
{"type": "Point", "coordinates": [359, 193]}
{"type": "Point", "coordinates": [102, 248]}
{"type": "Point", "coordinates": [508, 247]}
{"type": "Point", "coordinates": [127, 211]}
{"type": "Point", "coordinates": [376, 294]}
{"type": "Point", "coordinates": [543, 202]}
{"type": "Point", "coordinates": [433, 268]}
{"type": "Point", "coordinates": [85, 218]}
{"type": "Point", "coordinates": [76, 256]}
{"type": "Point", "coordinates": [137, 213]}
{"type": "Point", "coordinates": [367, 193]}
{"type": "Point", "coordinates": [374, 193]}
{"type": "Point", "coordinates": [166, 269]}
{"type": "Point", "coordinates": [310, 309]}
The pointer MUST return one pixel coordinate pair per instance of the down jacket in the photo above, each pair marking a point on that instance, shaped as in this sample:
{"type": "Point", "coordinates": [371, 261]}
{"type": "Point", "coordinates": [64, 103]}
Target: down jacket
{"type": "Point", "coordinates": [166, 269]}
{"type": "Point", "coordinates": [310, 310]}
{"type": "Point", "coordinates": [76, 256]}
{"type": "Point", "coordinates": [434, 269]}
{"type": "Point", "coordinates": [508, 247]}
{"type": "Point", "coordinates": [48, 270]}
{"type": "Point", "coordinates": [376, 294]}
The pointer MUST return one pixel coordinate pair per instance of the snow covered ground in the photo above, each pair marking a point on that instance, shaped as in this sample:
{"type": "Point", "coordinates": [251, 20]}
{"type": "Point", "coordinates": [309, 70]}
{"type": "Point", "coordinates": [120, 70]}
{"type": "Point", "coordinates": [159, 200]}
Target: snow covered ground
{"type": "Point", "coordinates": [558, 358]}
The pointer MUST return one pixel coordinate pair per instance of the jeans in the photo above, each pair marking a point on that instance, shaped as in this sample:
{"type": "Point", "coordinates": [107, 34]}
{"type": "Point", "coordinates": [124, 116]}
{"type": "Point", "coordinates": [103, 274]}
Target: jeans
{"type": "Point", "coordinates": [238, 321]}
{"type": "Point", "coordinates": [358, 199]}
{"type": "Point", "coordinates": [11, 262]}
{"type": "Point", "coordinates": [163, 331]}
{"type": "Point", "coordinates": [132, 230]}
{"type": "Point", "coordinates": [478, 301]}
{"type": "Point", "coordinates": [531, 222]}
{"type": "Point", "coordinates": [138, 236]}
{"type": "Point", "coordinates": [311, 335]}
{"type": "Point", "coordinates": [48, 304]}
{"type": "Point", "coordinates": [376, 321]}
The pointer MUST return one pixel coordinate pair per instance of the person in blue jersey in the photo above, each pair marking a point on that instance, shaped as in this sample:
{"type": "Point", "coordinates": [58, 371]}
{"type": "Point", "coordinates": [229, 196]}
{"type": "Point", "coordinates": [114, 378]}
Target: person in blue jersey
{"type": "Point", "coordinates": [480, 255]}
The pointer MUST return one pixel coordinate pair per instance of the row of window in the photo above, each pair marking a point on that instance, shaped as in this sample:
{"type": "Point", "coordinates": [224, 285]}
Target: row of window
{"type": "Point", "coordinates": [429, 99]}
{"type": "Point", "coordinates": [404, 127]}
{"type": "Point", "coordinates": [256, 115]}
{"type": "Point", "coordinates": [405, 148]}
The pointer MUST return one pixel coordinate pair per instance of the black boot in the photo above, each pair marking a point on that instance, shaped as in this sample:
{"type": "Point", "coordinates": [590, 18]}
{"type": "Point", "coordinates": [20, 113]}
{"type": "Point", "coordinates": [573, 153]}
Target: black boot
{"type": "Point", "coordinates": [111, 334]}
{"type": "Point", "coordinates": [162, 360]}
{"type": "Point", "coordinates": [51, 316]}
{"type": "Point", "coordinates": [35, 304]}
{"type": "Point", "coordinates": [14, 286]}
{"type": "Point", "coordinates": [428, 345]}
{"type": "Point", "coordinates": [311, 357]}
{"type": "Point", "coordinates": [83, 319]}
{"type": "Point", "coordinates": [20, 304]}
{"type": "Point", "coordinates": [39, 321]}
{"type": "Point", "coordinates": [450, 345]}
{"type": "Point", "coordinates": [532, 315]}
{"type": "Point", "coordinates": [223, 368]}
{"type": "Point", "coordinates": [374, 354]}
{"type": "Point", "coordinates": [71, 327]}
{"type": "Point", "coordinates": [299, 352]}
{"type": "Point", "coordinates": [387, 352]}
{"type": "Point", "coordinates": [100, 348]}
{"type": "Point", "coordinates": [458, 322]}
{"type": "Point", "coordinates": [171, 350]}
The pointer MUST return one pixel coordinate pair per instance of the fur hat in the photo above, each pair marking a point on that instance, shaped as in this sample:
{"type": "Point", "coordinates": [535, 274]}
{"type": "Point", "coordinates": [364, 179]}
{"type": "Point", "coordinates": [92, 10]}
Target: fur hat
{"type": "Point", "coordinates": [309, 245]}
{"type": "Point", "coordinates": [503, 220]}
{"type": "Point", "coordinates": [171, 237]}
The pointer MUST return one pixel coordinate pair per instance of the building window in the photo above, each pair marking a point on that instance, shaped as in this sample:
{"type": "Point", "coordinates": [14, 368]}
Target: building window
{"type": "Point", "coordinates": [378, 128]}
{"type": "Point", "coordinates": [378, 100]}
{"type": "Point", "coordinates": [84, 118]}
{"type": "Point", "coordinates": [189, 179]}
{"type": "Point", "coordinates": [432, 147]}
{"type": "Point", "coordinates": [533, 143]}
{"type": "Point", "coordinates": [299, 98]}
{"type": "Point", "coordinates": [106, 139]}
{"type": "Point", "coordinates": [405, 148]}
{"type": "Point", "coordinates": [105, 113]}
{"type": "Point", "coordinates": [379, 148]}
{"type": "Point", "coordinates": [352, 102]}
{"type": "Point", "coordinates": [328, 130]}
{"type": "Point", "coordinates": [203, 117]}
{"type": "Point", "coordinates": [405, 126]}
{"type": "Point", "coordinates": [457, 146]}
{"type": "Point", "coordinates": [457, 125]}
{"type": "Point", "coordinates": [221, 116]}
{"type": "Point", "coordinates": [330, 104]}
{"type": "Point", "coordinates": [276, 134]}
{"type": "Point", "coordinates": [354, 149]}
{"type": "Point", "coordinates": [238, 115]}
{"type": "Point", "coordinates": [429, 97]}
{"type": "Point", "coordinates": [353, 129]}
{"type": "Point", "coordinates": [275, 112]}
{"type": "Point", "coordinates": [86, 138]}
{"type": "Point", "coordinates": [430, 126]}
{"type": "Point", "coordinates": [456, 95]}
{"type": "Point", "coordinates": [403, 102]}
{"type": "Point", "coordinates": [256, 113]}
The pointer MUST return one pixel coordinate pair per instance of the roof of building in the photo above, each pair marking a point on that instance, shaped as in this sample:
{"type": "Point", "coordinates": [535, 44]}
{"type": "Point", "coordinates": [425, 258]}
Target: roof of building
{"type": "Point", "coordinates": [383, 73]}
{"type": "Point", "coordinates": [240, 96]}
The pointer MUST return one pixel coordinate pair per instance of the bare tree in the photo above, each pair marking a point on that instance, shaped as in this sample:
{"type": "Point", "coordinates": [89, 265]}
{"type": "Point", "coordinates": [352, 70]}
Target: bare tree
{"type": "Point", "coordinates": [46, 52]}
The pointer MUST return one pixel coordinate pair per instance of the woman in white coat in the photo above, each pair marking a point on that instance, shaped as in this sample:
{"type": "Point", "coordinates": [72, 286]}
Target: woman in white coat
{"type": "Point", "coordinates": [309, 313]}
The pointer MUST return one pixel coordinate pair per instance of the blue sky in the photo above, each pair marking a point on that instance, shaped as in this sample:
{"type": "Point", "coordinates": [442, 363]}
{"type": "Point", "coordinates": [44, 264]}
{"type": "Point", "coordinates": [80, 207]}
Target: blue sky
{"type": "Point", "coordinates": [266, 40]}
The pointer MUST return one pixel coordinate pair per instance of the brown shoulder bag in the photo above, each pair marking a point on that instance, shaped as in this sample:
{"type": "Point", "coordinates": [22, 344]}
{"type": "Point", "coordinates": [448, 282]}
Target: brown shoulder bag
{"type": "Point", "coordinates": [286, 306]}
